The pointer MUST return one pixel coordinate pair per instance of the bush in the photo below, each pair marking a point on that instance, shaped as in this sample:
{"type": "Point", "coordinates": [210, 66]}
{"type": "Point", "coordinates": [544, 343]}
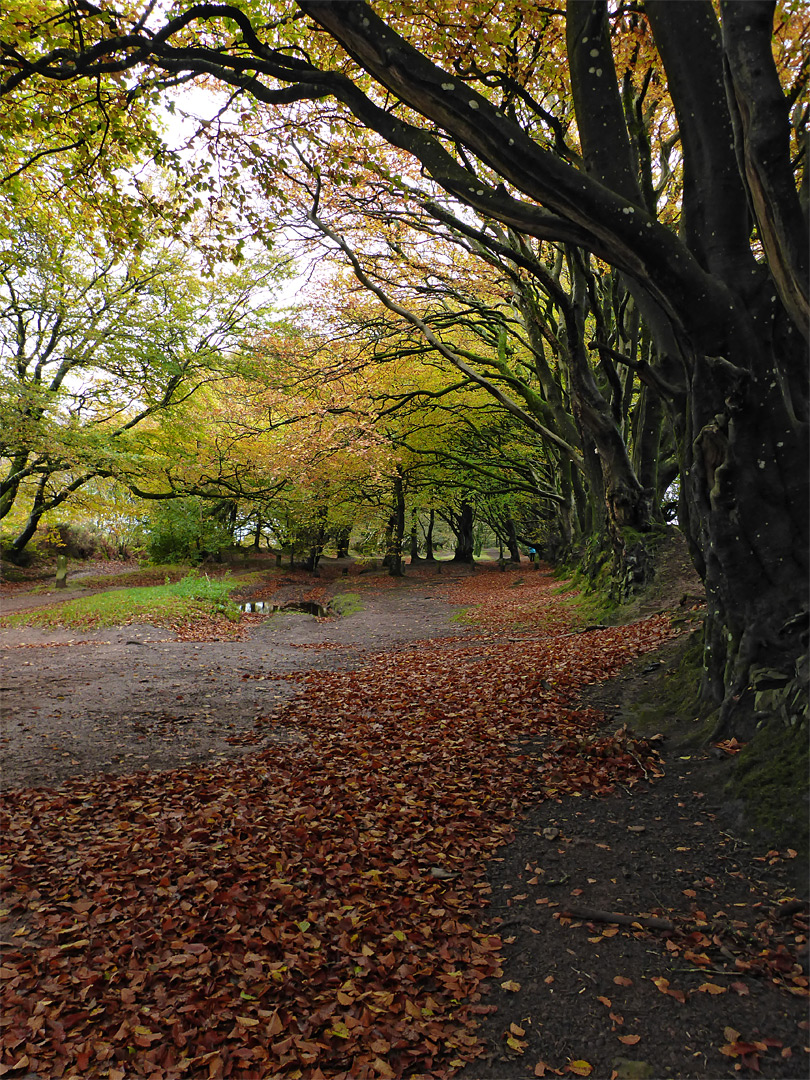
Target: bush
{"type": "Point", "coordinates": [183, 530]}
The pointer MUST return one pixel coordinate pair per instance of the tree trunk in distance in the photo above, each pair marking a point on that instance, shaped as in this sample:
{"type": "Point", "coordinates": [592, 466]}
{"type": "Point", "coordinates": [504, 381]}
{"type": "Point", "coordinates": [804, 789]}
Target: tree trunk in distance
{"type": "Point", "coordinates": [464, 535]}
{"type": "Point", "coordinates": [342, 542]}
{"type": "Point", "coordinates": [414, 540]}
{"type": "Point", "coordinates": [61, 571]}
{"type": "Point", "coordinates": [429, 556]}
{"type": "Point", "coordinates": [512, 540]}
{"type": "Point", "coordinates": [398, 531]}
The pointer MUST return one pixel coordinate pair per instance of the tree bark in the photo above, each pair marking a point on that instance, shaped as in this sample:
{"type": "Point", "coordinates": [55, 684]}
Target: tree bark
{"type": "Point", "coordinates": [397, 529]}
{"type": "Point", "coordinates": [463, 527]}
{"type": "Point", "coordinates": [342, 542]}
{"type": "Point", "coordinates": [414, 538]}
{"type": "Point", "coordinates": [512, 540]}
{"type": "Point", "coordinates": [429, 554]}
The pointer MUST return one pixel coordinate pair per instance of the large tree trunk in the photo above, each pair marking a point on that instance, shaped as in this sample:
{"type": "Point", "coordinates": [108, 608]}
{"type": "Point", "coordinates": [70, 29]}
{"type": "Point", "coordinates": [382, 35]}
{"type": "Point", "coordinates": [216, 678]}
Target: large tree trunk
{"type": "Point", "coordinates": [512, 540]}
{"type": "Point", "coordinates": [744, 480]}
{"type": "Point", "coordinates": [463, 528]}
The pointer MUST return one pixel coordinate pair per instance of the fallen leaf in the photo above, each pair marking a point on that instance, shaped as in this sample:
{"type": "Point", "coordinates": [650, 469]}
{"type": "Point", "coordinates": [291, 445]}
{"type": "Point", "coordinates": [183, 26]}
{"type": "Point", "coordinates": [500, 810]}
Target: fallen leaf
{"type": "Point", "coordinates": [628, 1040]}
{"type": "Point", "coordinates": [622, 980]}
{"type": "Point", "coordinates": [510, 985]}
{"type": "Point", "coordinates": [580, 1068]}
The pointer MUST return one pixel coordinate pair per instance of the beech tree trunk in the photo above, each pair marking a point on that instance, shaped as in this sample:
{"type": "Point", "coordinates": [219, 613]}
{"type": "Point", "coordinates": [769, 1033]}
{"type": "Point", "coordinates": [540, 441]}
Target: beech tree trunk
{"type": "Point", "coordinates": [745, 492]}
{"type": "Point", "coordinates": [512, 540]}
{"type": "Point", "coordinates": [429, 554]}
{"type": "Point", "coordinates": [342, 542]}
{"type": "Point", "coordinates": [414, 539]}
{"type": "Point", "coordinates": [462, 524]}
{"type": "Point", "coordinates": [396, 530]}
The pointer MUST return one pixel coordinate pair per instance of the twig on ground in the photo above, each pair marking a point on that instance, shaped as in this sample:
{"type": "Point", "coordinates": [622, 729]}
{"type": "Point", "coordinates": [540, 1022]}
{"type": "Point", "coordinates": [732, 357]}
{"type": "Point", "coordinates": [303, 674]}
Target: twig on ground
{"type": "Point", "coordinates": [649, 922]}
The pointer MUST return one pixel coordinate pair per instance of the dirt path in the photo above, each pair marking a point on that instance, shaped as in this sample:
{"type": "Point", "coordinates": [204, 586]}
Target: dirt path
{"type": "Point", "coordinates": [118, 700]}
{"type": "Point", "coordinates": [721, 993]}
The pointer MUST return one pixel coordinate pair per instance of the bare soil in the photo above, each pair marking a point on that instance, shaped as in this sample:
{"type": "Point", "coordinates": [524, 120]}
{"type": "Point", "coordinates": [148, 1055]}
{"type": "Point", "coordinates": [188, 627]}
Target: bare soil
{"type": "Point", "coordinates": [136, 697]}
{"type": "Point", "coordinates": [140, 698]}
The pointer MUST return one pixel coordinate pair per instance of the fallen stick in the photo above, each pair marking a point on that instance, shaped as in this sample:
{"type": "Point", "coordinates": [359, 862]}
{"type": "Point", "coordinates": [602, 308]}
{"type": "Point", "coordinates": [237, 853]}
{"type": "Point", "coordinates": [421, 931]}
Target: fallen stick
{"type": "Point", "coordinates": [572, 633]}
{"type": "Point", "coordinates": [650, 922]}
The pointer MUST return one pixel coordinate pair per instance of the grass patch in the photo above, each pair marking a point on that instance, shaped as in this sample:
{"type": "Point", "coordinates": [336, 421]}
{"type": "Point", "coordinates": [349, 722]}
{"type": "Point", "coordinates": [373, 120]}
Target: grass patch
{"type": "Point", "coordinates": [346, 603]}
{"type": "Point", "coordinates": [191, 596]}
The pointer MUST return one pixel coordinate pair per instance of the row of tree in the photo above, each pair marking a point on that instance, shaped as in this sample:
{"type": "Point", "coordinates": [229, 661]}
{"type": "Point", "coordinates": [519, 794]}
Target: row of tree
{"type": "Point", "coordinates": [137, 371]}
{"type": "Point", "coordinates": [576, 242]}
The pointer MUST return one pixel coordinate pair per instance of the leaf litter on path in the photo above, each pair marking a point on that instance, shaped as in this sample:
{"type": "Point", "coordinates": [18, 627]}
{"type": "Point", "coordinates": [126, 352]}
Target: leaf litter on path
{"type": "Point", "coordinates": [312, 910]}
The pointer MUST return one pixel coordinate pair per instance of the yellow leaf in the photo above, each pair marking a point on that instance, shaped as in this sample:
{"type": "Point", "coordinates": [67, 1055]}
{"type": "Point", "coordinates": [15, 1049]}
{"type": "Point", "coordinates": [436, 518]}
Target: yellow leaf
{"type": "Point", "coordinates": [580, 1068]}
{"type": "Point", "coordinates": [510, 985]}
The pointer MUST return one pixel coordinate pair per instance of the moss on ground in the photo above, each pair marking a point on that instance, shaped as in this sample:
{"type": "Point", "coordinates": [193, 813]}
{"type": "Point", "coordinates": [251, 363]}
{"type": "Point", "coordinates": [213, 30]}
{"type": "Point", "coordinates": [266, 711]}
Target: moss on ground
{"type": "Point", "coordinates": [771, 778]}
{"type": "Point", "coordinates": [588, 599]}
{"type": "Point", "coordinates": [670, 701]}
{"type": "Point", "coordinates": [346, 603]}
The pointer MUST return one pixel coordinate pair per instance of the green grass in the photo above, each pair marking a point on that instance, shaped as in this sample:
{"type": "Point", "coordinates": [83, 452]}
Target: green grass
{"type": "Point", "coordinates": [192, 595]}
{"type": "Point", "coordinates": [346, 603]}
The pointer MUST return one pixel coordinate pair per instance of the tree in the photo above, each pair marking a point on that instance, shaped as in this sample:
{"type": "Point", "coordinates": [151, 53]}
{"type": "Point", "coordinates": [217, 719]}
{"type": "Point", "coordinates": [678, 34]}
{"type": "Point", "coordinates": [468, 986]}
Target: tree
{"type": "Point", "coordinates": [725, 296]}
{"type": "Point", "coordinates": [98, 347]}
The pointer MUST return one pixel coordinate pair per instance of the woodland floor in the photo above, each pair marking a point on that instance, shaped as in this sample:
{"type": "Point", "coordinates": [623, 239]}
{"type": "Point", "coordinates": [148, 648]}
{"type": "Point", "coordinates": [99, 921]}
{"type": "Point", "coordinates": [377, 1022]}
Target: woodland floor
{"type": "Point", "coordinates": [383, 845]}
